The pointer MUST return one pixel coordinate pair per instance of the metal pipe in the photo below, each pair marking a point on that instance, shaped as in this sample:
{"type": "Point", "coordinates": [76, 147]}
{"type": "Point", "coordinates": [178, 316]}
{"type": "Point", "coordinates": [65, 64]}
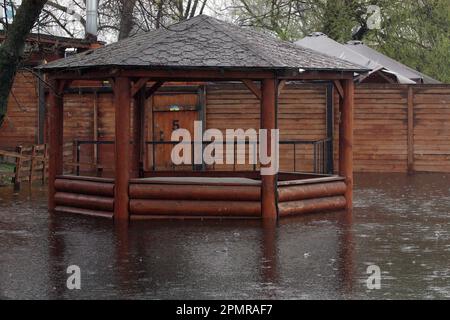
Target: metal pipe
{"type": "Point", "coordinates": [91, 18]}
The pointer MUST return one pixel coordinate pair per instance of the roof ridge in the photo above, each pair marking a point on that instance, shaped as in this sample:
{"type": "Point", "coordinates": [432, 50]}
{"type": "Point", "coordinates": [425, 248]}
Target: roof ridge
{"type": "Point", "coordinates": [162, 32]}
{"type": "Point", "coordinates": [231, 36]}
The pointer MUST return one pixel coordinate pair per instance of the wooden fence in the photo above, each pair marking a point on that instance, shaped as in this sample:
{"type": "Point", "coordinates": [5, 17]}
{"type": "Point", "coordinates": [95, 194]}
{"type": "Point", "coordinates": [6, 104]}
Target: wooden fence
{"type": "Point", "coordinates": [31, 163]}
{"type": "Point", "coordinates": [398, 128]}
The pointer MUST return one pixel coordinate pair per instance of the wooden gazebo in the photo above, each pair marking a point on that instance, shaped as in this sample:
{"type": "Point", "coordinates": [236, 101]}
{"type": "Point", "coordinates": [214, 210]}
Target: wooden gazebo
{"type": "Point", "coordinates": [199, 49]}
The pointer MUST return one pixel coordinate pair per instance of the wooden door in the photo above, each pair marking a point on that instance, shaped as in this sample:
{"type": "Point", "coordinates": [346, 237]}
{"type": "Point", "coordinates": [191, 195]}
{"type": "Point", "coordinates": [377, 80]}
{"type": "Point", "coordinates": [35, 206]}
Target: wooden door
{"type": "Point", "coordinates": [164, 124]}
{"type": "Point", "coordinates": [171, 108]}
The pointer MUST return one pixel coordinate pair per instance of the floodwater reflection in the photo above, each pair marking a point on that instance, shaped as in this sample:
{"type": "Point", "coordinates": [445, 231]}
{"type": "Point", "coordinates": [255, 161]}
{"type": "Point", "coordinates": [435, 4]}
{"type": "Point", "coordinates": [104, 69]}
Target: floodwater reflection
{"type": "Point", "coordinates": [399, 223]}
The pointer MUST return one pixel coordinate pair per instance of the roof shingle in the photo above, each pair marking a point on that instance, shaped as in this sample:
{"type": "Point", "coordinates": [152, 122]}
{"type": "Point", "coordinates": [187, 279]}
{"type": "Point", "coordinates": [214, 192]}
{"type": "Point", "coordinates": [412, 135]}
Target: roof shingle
{"type": "Point", "coordinates": [204, 42]}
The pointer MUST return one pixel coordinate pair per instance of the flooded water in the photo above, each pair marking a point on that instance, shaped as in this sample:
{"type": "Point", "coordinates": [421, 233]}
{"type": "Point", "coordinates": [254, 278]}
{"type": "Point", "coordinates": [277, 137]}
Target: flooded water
{"type": "Point", "coordinates": [400, 223]}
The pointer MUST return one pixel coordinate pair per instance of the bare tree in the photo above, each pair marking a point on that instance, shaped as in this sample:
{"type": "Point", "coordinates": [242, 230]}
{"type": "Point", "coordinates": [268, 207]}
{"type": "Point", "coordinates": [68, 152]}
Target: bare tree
{"type": "Point", "coordinates": [118, 19]}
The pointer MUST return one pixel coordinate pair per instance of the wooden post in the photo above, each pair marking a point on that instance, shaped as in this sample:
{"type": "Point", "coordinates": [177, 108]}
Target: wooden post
{"type": "Point", "coordinates": [410, 129]}
{"type": "Point", "coordinates": [269, 121]}
{"type": "Point", "coordinates": [122, 103]}
{"type": "Point", "coordinates": [41, 108]}
{"type": "Point", "coordinates": [95, 127]}
{"type": "Point", "coordinates": [330, 128]}
{"type": "Point", "coordinates": [55, 139]}
{"type": "Point", "coordinates": [269, 251]}
{"type": "Point", "coordinates": [139, 100]}
{"type": "Point", "coordinates": [346, 139]}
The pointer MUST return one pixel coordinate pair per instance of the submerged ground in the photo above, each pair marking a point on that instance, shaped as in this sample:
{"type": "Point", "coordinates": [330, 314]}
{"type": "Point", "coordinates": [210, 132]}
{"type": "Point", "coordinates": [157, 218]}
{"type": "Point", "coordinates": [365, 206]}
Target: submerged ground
{"type": "Point", "coordinates": [400, 223]}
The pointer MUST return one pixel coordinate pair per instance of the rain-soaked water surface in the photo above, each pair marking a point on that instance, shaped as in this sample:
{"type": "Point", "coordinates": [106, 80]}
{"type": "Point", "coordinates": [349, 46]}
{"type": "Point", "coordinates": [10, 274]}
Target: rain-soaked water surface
{"type": "Point", "coordinates": [400, 223]}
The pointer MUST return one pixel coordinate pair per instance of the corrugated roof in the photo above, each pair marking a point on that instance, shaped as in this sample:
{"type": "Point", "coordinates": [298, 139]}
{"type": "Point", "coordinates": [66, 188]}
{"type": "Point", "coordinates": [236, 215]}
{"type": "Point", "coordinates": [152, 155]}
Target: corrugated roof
{"type": "Point", "coordinates": [357, 52]}
{"type": "Point", "coordinates": [320, 42]}
{"type": "Point", "coordinates": [389, 63]}
{"type": "Point", "coordinates": [205, 42]}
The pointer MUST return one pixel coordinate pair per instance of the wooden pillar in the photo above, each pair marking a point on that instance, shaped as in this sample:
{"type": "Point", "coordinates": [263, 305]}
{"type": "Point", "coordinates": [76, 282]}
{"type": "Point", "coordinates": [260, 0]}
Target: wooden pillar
{"type": "Point", "coordinates": [138, 109]}
{"type": "Point", "coordinates": [122, 104]}
{"type": "Point", "coordinates": [55, 116]}
{"type": "Point", "coordinates": [346, 139]}
{"type": "Point", "coordinates": [410, 130]}
{"type": "Point", "coordinates": [269, 251]}
{"type": "Point", "coordinates": [269, 121]}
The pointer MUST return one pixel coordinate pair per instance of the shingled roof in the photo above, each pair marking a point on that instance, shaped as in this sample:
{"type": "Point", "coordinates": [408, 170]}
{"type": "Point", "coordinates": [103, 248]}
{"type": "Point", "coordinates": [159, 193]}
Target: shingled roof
{"type": "Point", "coordinates": [204, 42]}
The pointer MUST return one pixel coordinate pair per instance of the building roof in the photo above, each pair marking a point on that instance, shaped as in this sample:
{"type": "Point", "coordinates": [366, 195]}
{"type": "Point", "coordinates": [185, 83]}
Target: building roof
{"type": "Point", "coordinates": [205, 42]}
{"type": "Point", "coordinates": [357, 52]}
{"type": "Point", "coordinates": [320, 42]}
{"type": "Point", "coordinates": [60, 42]}
{"type": "Point", "coordinates": [389, 63]}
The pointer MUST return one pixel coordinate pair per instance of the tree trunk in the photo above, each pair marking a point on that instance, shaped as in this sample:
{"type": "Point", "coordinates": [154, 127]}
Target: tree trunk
{"type": "Point", "coordinates": [126, 18]}
{"type": "Point", "coordinates": [159, 14]}
{"type": "Point", "coordinates": [12, 48]}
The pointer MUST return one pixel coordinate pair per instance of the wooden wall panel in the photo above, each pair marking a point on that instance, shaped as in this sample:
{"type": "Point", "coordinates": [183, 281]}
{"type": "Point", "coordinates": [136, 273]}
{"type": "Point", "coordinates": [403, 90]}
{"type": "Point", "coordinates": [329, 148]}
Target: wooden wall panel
{"type": "Point", "coordinates": [432, 128]}
{"type": "Point", "coordinates": [79, 124]}
{"type": "Point", "coordinates": [106, 124]}
{"type": "Point", "coordinates": [301, 116]}
{"type": "Point", "coordinates": [231, 106]}
{"type": "Point", "coordinates": [21, 124]}
{"type": "Point", "coordinates": [380, 136]}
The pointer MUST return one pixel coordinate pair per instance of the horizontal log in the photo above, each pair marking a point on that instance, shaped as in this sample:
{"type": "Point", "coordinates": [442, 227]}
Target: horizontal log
{"type": "Point", "coordinates": [194, 192]}
{"type": "Point", "coordinates": [85, 187]}
{"type": "Point", "coordinates": [85, 212]}
{"type": "Point", "coordinates": [86, 178]}
{"type": "Point", "coordinates": [84, 201]}
{"type": "Point", "coordinates": [195, 208]}
{"type": "Point", "coordinates": [167, 217]}
{"type": "Point", "coordinates": [302, 192]}
{"type": "Point", "coordinates": [311, 206]}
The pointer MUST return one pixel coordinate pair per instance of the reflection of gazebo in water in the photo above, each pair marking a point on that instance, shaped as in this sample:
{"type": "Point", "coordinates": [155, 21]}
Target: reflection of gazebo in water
{"type": "Point", "coordinates": [200, 49]}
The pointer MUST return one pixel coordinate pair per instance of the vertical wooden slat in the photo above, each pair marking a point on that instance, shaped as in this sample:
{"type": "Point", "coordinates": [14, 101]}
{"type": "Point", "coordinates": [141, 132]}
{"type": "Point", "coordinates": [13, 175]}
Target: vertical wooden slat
{"type": "Point", "coordinates": [143, 120]}
{"type": "Point", "coordinates": [122, 99]}
{"type": "Point", "coordinates": [147, 134]}
{"type": "Point", "coordinates": [139, 99]}
{"type": "Point", "coordinates": [268, 121]}
{"type": "Point", "coordinates": [18, 169]}
{"type": "Point", "coordinates": [55, 120]}
{"type": "Point", "coordinates": [410, 129]}
{"type": "Point", "coordinates": [41, 109]}
{"type": "Point", "coordinates": [95, 127]}
{"type": "Point", "coordinates": [330, 128]}
{"type": "Point", "coordinates": [45, 164]}
{"type": "Point", "coordinates": [346, 139]}
{"type": "Point", "coordinates": [32, 164]}
{"type": "Point", "coordinates": [202, 112]}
